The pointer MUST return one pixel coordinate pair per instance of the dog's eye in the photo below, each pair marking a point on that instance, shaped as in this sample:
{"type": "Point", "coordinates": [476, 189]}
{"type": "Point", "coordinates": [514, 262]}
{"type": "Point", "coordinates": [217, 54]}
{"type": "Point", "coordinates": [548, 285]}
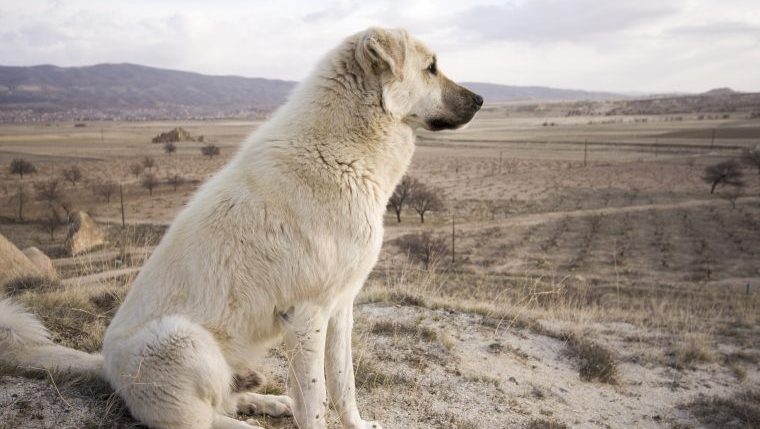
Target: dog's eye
{"type": "Point", "coordinates": [432, 68]}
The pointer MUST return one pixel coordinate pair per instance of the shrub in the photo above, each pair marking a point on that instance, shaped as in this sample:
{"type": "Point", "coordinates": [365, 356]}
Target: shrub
{"type": "Point", "coordinates": [21, 166]}
{"type": "Point", "coordinates": [72, 175]}
{"type": "Point", "coordinates": [210, 150]}
{"type": "Point", "coordinates": [423, 247]}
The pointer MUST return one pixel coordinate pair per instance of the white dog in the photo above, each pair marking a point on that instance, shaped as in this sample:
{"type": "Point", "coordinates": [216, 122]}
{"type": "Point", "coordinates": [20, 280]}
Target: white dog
{"type": "Point", "coordinates": [278, 243]}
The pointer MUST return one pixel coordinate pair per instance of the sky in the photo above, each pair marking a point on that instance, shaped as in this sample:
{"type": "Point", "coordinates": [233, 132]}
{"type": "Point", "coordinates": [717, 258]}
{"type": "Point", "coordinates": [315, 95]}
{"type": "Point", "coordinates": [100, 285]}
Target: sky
{"type": "Point", "coordinates": [649, 46]}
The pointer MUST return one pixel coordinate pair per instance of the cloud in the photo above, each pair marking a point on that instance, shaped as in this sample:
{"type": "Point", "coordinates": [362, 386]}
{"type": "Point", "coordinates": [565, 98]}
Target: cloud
{"type": "Point", "coordinates": [647, 45]}
{"type": "Point", "coordinates": [549, 21]}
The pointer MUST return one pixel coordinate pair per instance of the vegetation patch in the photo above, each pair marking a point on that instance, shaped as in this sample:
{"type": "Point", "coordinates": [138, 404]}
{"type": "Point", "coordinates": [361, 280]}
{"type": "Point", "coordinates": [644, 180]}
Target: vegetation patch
{"type": "Point", "coordinates": [597, 363]}
{"type": "Point", "coordinates": [737, 412]}
{"type": "Point", "coordinates": [545, 424]}
{"type": "Point", "coordinates": [396, 329]}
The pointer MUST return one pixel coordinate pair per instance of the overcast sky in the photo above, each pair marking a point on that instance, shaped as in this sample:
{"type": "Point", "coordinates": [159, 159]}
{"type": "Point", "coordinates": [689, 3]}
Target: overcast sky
{"type": "Point", "coordinates": [620, 45]}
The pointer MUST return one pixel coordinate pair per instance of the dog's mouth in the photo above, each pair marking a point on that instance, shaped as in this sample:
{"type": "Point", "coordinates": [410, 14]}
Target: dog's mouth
{"type": "Point", "coordinates": [464, 106]}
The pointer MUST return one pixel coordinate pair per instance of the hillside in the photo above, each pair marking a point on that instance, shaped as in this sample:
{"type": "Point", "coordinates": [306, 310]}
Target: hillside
{"type": "Point", "coordinates": [129, 91]}
{"type": "Point", "coordinates": [722, 100]}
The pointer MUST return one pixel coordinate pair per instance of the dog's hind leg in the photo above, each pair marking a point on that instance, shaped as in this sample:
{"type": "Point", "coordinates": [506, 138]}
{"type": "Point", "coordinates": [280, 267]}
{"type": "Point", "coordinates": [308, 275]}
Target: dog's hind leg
{"type": "Point", "coordinates": [172, 374]}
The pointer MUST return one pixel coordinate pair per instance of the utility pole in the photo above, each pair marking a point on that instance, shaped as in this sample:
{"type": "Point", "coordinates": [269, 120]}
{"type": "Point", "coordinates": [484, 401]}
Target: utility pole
{"type": "Point", "coordinates": [500, 153]}
{"type": "Point", "coordinates": [712, 140]}
{"type": "Point", "coordinates": [585, 152]}
{"type": "Point", "coordinates": [121, 197]}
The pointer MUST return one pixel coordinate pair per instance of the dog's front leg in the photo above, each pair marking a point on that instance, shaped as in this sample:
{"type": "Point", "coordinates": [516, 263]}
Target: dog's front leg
{"type": "Point", "coordinates": [306, 328]}
{"type": "Point", "coordinates": [340, 369]}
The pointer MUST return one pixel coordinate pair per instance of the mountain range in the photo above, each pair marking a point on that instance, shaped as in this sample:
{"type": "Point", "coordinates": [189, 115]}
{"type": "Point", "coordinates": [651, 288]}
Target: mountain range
{"type": "Point", "coordinates": [136, 92]}
{"type": "Point", "coordinates": [130, 91]}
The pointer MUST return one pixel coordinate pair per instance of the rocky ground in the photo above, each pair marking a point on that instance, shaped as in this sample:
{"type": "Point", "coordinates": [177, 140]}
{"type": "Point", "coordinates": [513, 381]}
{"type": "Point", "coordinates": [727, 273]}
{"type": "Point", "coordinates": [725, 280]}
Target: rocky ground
{"type": "Point", "coordinates": [436, 368]}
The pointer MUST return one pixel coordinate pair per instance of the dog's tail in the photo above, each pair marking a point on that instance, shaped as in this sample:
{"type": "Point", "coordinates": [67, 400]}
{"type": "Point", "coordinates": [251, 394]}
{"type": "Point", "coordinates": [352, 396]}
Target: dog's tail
{"type": "Point", "coordinates": [24, 342]}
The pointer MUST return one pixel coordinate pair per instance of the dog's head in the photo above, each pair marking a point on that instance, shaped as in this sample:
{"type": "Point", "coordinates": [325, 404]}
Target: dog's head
{"type": "Point", "coordinates": [414, 89]}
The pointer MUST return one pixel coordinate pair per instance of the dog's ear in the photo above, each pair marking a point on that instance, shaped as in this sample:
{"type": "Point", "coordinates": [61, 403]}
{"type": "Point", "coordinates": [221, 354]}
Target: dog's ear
{"type": "Point", "coordinates": [379, 50]}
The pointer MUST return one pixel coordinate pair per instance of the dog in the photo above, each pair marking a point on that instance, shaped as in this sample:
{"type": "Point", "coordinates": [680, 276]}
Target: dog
{"type": "Point", "coordinates": [275, 246]}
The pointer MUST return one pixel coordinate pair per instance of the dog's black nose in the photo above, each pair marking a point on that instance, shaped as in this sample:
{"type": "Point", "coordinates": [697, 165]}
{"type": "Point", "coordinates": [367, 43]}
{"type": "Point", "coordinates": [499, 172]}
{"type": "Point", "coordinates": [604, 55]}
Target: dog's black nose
{"type": "Point", "coordinates": [478, 100]}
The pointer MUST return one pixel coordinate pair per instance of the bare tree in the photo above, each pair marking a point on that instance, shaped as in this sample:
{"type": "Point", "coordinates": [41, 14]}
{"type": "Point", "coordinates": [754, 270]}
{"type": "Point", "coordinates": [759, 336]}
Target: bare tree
{"type": "Point", "coordinates": [732, 194]}
{"type": "Point", "coordinates": [21, 166]}
{"type": "Point", "coordinates": [52, 222]}
{"type": "Point", "coordinates": [149, 163]}
{"type": "Point", "coordinates": [423, 247]}
{"type": "Point", "coordinates": [50, 191]}
{"type": "Point", "coordinates": [424, 199]}
{"type": "Point", "coordinates": [72, 175]}
{"type": "Point", "coordinates": [210, 150]}
{"type": "Point", "coordinates": [136, 169]}
{"type": "Point", "coordinates": [401, 195]}
{"type": "Point", "coordinates": [751, 157]}
{"type": "Point", "coordinates": [149, 182]}
{"type": "Point", "coordinates": [175, 180]}
{"type": "Point", "coordinates": [106, 190]}
{"type": "Point", "coordinates": [170, 147]}
{"type": "Point", "coordinates": [726, 173]}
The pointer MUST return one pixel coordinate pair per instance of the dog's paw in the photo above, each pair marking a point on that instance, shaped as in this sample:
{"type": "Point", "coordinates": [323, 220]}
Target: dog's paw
{"type": "Point", "coordinates": [270, 405]}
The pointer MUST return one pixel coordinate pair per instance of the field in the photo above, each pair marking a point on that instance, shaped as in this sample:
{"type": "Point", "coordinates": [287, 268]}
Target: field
{"type": "Point", "coordinates": [595, 280]}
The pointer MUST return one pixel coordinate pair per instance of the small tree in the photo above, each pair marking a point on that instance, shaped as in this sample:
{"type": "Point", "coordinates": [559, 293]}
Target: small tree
{"type": "Point", "coordinates": [732, 194]}
{"type": "Point", "coordinates": [726, 172]}
{"type": "Point", "coordinates": [149, 162]}
{"type": "Point", "coordinates": [106, 190]}
{"type": "Point", "coordinates": [423, 247]}
{"type": "Point", "coordinates": [424, 199]}
{"type": "Point", "coordinates": [401, 194]}
{"type": "Point", "coordinates": [149, 182]}
{"type": "Point", "coordinates": [72, 175]}
{"type": "Point", "coordinates": [50, 191]}
{"type": "Point", "coordinates": [136, 169]}
{"type": "Point", "coordinates": [751, 157]}
{"type": "Point", "coordinates": [170, 147]}
{"type": "Point", "coordinates": [176, 181]}
{"type": "Point", "coordinates": [21, 166]}
{"type": "Point", "coordinates": [210, 150]}
{"type": "Point", "coordinates": [52, 222]}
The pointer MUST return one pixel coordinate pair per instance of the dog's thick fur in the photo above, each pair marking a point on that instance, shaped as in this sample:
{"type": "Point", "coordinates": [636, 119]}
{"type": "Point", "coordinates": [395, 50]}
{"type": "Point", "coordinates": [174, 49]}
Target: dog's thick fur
{"type": "Point", "coordinates": [277, 244]}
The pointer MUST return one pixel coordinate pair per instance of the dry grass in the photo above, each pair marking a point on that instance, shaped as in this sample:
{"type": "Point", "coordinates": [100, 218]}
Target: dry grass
{"type": "Point", "coordinates": [737, 412]}
{"type": "Point", "coordinates": [395, 329]}
{"type": "Point", "coordinates": [596, 362]}
{"type": "Point", "coordinates": [545, 424]}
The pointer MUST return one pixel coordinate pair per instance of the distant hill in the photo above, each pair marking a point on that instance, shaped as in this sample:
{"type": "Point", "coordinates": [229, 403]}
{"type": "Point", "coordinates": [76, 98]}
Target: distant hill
{"type": "Point", "coordinates": [135, 92]}
{"type": "Point", "coordinates": [129, 91]}
{"type": "Point", "coordinates": [719, 100]}
{"type": "Point", "coordinates": [495, 93]}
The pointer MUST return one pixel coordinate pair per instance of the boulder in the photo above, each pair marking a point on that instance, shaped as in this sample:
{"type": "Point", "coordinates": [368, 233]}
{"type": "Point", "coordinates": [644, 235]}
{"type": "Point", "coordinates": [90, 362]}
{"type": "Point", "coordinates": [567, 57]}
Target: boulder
{"type": "Point", "coordinates": [84, 234]}
{"type": "Point", "coordinates": [13, 263]}
{"type": "Point", "coordinates": [41, 261]}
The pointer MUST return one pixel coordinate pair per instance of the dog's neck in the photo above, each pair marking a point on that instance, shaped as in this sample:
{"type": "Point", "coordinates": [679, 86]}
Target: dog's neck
{"type": "Point", "coordinates": [335, 119]}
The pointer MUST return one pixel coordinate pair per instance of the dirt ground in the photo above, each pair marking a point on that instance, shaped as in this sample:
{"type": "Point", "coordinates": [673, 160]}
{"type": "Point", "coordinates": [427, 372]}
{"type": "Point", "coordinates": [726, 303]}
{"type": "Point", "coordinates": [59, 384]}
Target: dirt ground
{"type": "Point", "coordinates": [596, 282]}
